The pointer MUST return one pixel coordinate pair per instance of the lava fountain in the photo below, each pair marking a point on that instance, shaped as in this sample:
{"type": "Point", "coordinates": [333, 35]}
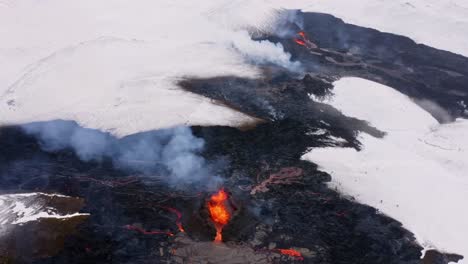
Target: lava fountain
{"type": "Point", "coordinates": [219, 212]}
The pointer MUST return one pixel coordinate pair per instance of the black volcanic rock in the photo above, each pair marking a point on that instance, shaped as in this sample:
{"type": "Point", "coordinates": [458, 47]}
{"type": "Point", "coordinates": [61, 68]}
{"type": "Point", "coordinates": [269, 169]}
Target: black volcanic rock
{"type": "Point", "coordinates": [419, 71]}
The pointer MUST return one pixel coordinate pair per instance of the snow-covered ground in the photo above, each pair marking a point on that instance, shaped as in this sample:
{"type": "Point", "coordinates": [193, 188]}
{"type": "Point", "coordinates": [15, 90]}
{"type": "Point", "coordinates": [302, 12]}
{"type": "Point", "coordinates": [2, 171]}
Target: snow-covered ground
{"type": "Point", "coordinates": [17, 209]}
{"type": "Point", "coordinates": [113, 65]}
{"type": "Point", "coordinates": [416, 174]}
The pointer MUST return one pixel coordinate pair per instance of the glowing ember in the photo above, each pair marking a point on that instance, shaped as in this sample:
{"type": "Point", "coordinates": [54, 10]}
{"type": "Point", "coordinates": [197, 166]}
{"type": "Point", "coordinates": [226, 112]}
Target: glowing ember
{"type": "Point", "coordinates": [219, 212]}
{"type": "Point", "coordinates": [145, 232]}
{"type": "Point", "coordinates": [300, 42]}
{"type": "Point", "coordinates": [302, 34]}
{"type": "Point", "coordinates": [291, 252]}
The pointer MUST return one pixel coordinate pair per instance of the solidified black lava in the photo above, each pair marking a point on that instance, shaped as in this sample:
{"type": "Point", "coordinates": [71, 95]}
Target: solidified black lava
{"type": "Point", "coordinates": [307, 213]}
{"type": "Point", "coordinates": [417, 70]}
{"type": "Point", "coordinates": [280, 96]}
{"type": "Point", "coordinates": [337, 230]}
{"type": "Point", "coordinates": [434, 78]}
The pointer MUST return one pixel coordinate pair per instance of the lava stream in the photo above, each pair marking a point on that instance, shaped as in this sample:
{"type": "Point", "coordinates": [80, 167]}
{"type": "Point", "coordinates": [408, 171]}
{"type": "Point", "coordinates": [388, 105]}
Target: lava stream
{"type": "Point", "coordinates": [219, 212]}
{"type": "Point", "coordinates": [291, 252]}
{"type": "Point", "coordinates": [303, 40]}
{"type": "Point", "coordinates": [300, 42]}
{"type": "Point", "coordinates": [179, 217]}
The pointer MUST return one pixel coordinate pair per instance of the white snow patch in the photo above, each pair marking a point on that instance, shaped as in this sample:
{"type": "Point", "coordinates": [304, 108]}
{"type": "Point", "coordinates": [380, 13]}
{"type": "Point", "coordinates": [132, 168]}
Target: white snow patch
{"type": "Point", "coordinates": [416, 174]}
{"type": "Point", "coordinates": [22, 208]}
{"type": "Point", "coordinates": [338, 140]}
{"type": "Point", "coordinates": [113, 65]}
{"type": "Point", "coordinates": [40, 215]}
{"type": "Point", "coordinates": [318, 98]}
{"type": "Point", "coordinates": [317, 132]}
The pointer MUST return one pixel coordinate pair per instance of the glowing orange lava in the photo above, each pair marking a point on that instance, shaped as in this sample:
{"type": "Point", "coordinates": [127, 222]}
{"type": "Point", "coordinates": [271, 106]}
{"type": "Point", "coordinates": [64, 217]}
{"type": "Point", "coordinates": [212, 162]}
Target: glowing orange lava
{"type": "Point", "coordinates": [300, 42]}
{"type": "Point", "coordinates": [303, 40]}
{"type": "Point", "coordinates": [302, 34]}
{"type": "Point", "coordinates": [219, 212]}
{"type": "Point", "coordinates": [292, 253]}
{"type": "Point", "coordinates": [179, 217]}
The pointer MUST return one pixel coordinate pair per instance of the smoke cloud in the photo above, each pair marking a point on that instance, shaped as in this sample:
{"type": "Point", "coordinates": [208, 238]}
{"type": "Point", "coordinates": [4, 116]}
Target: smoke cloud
{"type": "Point", "coordinates": [282, 23]}
{"type": "Point", "coordinates": [284, 20]}
{"type": "Point", "coordinates": [264, 52]}
{"type": "Point", "coordinates": [174, 152]}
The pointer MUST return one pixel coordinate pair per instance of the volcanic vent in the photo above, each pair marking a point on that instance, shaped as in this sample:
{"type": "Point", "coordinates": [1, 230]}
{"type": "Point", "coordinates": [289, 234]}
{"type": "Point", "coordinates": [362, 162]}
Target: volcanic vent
{"type": "Point", "coordinates": [220, 212]}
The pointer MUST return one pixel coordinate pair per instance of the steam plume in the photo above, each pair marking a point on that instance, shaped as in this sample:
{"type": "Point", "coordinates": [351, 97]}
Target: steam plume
{"type": "Point", "coordinates": [174, 152]}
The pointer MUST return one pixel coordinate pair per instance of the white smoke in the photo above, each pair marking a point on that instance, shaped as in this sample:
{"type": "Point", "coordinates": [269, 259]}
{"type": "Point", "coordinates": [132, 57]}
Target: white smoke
{"type": "Point", "coordinates": [264, 52]}
{"type": "Point", "coordinates": [282, 22]}
{"type": "Point", "coordinates": [173, 152]}
{"type": "Point", "coordinates": [238, 18]}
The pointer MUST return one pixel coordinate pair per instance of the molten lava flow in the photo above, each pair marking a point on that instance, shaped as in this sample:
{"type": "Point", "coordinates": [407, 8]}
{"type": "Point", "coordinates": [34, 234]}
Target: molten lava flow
{"type": "Point", "coordinates": [303, 40]}
{"type": "Point", "coordinates": [219, 212]}
{"type": "Point", "coordinates": [291, 252]}
{"type": "Point", "coordinates": [179, 217]}
{"type": "Point", "coordinates": [300, 42]}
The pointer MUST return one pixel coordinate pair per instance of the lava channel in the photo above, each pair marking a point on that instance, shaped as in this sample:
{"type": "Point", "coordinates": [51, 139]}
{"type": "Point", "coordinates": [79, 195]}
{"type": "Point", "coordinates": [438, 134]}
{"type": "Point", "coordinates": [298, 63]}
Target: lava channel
{"type": "Point", "coordinates": [291, 252]}
{"type": "Point", "coordinates": [300, 42]}
{"type": "Point", "coordinates": [303, 40]}
{"type": "Point", "coordinates": [179, 217]}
